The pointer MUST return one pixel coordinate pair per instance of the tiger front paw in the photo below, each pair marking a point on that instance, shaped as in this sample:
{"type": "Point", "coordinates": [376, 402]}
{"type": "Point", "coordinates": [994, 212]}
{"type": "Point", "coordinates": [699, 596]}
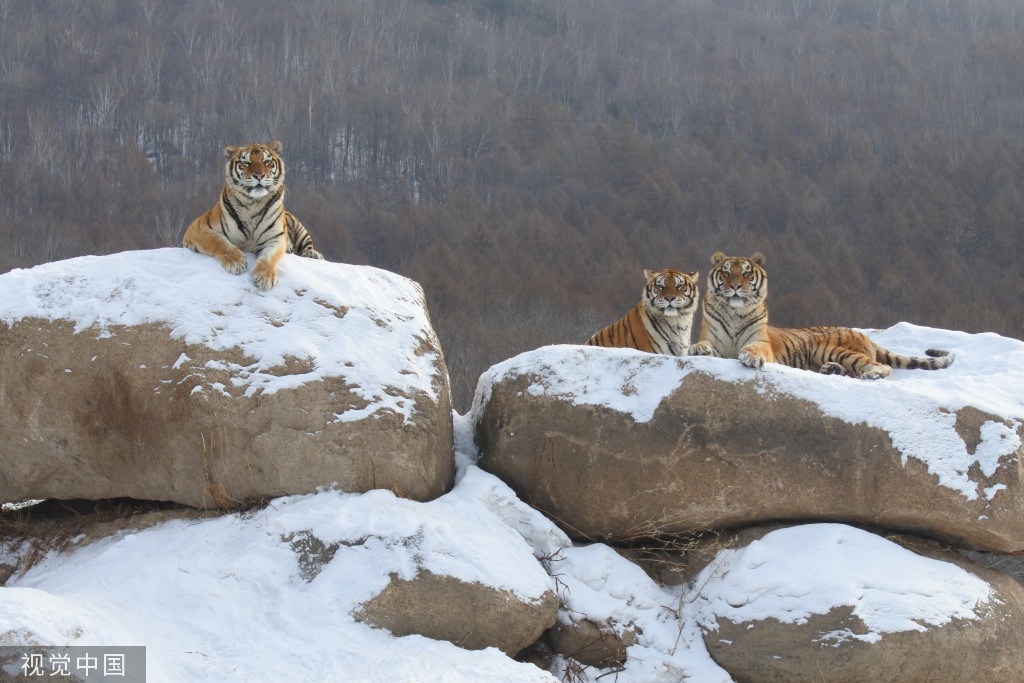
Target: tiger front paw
{"type": "Point", "coordinates": [312, 253]}
{"type": "Point", "coordinates": [751, 360]}
{"type": "Point", "coordinates": [233, 261]}
{"type": "Point", "coordinates": [264, 275]}
{"type": "Point", "coordinates": [701, 348]}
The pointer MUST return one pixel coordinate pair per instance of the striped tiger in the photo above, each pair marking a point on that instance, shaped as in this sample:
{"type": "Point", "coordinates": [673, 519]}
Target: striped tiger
{"type": "Point", "coordinates": [250, 216]}
{"type": "Point", "coordinates": [661, 322]}
{"type": "Point", "coordinates": [735, 325]}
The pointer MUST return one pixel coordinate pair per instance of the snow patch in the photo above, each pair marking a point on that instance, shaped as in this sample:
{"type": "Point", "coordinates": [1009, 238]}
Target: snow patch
{"type": "Point", "coordinates": [793, 573]}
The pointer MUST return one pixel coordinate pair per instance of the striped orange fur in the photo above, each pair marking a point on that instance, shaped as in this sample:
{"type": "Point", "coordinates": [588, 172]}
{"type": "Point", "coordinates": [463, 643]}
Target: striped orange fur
{"type": "Point", "coordinates": [663, 319]}
{"type": "Point", "coordinates": [735, 325]}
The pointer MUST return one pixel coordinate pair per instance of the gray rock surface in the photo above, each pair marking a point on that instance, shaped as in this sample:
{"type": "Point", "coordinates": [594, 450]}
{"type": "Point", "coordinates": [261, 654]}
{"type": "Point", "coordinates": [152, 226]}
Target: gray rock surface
{"type": "Point", "coordinates": [166, 407]}
{"type": "Point", "coordinates": [590, 643]}
{"type": "Point", "coordinates": [722, 450]}
{"type": "Point", "coordinates": [471, 615]}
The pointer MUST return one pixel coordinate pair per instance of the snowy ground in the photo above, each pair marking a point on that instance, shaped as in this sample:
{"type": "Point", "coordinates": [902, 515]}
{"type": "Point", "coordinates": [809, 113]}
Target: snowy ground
{"type": "Point", "coordinates": [227, 599]}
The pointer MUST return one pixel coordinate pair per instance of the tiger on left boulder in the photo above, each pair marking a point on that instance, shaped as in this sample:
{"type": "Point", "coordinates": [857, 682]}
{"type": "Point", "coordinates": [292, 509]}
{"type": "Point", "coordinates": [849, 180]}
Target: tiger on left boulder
{"type": "Point", "coordinates": [250, 216]}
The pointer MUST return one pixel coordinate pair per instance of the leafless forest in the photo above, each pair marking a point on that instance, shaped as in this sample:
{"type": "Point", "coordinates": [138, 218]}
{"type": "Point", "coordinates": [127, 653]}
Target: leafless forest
{"type": "Point", "coordinates": [525, 160]}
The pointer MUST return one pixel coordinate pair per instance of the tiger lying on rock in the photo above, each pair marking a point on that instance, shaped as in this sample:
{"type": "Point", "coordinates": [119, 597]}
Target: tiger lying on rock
{"type": "Point", "coordinates": [250, 216]}
{"type": "Point", "coordinates": [663, 319]}
{"type": "Point", "coordinates": [735, 325]}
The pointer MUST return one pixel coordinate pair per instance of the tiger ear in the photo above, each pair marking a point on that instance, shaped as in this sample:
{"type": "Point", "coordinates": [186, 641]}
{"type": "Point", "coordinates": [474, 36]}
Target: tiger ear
{"type": "Point", "coordinates": [758, 258]}
{"type": "Point", "coordinates": [717, 258]}
{"type": "Point", "coordinates": [694, 275]}
{"type": "Point", "coordinates": [276, 146]}
{"type": "Point", "coordinates": [649, 274]}
{"type": "Point", "coordinates": [230, 150]}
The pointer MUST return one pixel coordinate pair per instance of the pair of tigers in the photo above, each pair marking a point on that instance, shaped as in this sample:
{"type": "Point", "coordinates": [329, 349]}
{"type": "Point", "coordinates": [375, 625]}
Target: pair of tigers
{"type": "Point", "coordinates": [735, 325]}
{"type": "Point", "coordinates": [250, 216]}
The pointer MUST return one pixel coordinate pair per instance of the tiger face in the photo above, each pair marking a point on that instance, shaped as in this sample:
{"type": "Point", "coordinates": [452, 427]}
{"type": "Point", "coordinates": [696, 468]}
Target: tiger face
{"type": "Point", "coordinates": [738, 281]}
{"type": "Point", "coordinates": [255, 170]}
{"type": "Point", "coordinates": [670, 293]}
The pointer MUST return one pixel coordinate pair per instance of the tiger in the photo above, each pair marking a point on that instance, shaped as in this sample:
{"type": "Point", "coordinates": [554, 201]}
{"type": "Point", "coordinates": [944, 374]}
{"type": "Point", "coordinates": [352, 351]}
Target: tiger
{"type": "Point", "coordinates": [735, 325]}
{"type": "Point", "coordinates": [663, 319]}
{"type": "Point", "coordinates": [250, 216]}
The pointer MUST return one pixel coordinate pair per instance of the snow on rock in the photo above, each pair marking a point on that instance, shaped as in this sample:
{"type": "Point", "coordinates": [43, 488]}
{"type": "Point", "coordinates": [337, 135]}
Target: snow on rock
{"type": "Point", "coordinates": [988, 374]}
{"type": "Point", "coordinates": [598, 585]}
{"type": "Point", "coordinates": [828, 597]}
{"type": "Point", "coordinates": [796, 602]}
{"type": "Point", "coordinates": [793, 573]}
{"type": "Point", "coordinates": [158, 375]}
{"type": "Point", "coordinates": [272, 594]}
{"type": "Point", "coordinates": [616, 443]}
{"type": "Point", "coordinates": [337, 317]}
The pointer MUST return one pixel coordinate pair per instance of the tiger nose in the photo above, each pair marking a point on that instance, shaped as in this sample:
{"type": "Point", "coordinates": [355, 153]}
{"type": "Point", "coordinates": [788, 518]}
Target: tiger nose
{"type": "Point", "coordinates": [259, 176]}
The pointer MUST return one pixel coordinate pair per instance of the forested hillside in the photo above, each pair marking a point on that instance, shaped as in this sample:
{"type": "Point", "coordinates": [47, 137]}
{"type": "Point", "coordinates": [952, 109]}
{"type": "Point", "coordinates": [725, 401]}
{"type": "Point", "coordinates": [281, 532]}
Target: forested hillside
{"type": "Point", "coordinates": [525, 160]}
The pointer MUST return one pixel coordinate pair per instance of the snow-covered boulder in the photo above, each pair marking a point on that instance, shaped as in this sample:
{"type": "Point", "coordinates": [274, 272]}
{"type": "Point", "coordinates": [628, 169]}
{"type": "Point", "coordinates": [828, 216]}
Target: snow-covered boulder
{"type": "Point", "coordinates": [828, 599]}
{"type": "Point", "coordinates": [447, 570]}
{"type": "Point", "coordinates": [808, 603]}
{"type": "Point", "coordinates": [157, 375]}
{"type": "Point", "coordinates": [615, 444]}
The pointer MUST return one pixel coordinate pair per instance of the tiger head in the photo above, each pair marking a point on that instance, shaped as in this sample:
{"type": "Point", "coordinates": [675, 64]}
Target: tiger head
{"type": "Point", "coordinates": [738, 281]}
{"type": "Point", "coordinates": [670, 293]}
{"type": "Point", "coordinates": [254, 170]}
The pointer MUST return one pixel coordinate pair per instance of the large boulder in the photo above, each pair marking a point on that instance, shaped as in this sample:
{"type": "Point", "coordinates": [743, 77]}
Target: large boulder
{"type": "Point", "coordinates": [836, 602]}
{"type": "Point", "coordinates": [157, 375]}
{"type": "Point", "coordinates": [616, 444]}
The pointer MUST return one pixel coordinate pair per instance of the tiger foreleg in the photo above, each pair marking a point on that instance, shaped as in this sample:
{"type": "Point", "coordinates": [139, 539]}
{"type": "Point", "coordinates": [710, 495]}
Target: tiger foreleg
{"type": "Point", "coordinates": [202, 239]}
{"type": "Point", "coordinates": [264, 272]}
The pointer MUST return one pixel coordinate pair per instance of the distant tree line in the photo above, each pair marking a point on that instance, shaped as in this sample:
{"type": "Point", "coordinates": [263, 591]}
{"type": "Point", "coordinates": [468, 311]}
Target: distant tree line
{"type": "Point", "coordinates": [525, 160]}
